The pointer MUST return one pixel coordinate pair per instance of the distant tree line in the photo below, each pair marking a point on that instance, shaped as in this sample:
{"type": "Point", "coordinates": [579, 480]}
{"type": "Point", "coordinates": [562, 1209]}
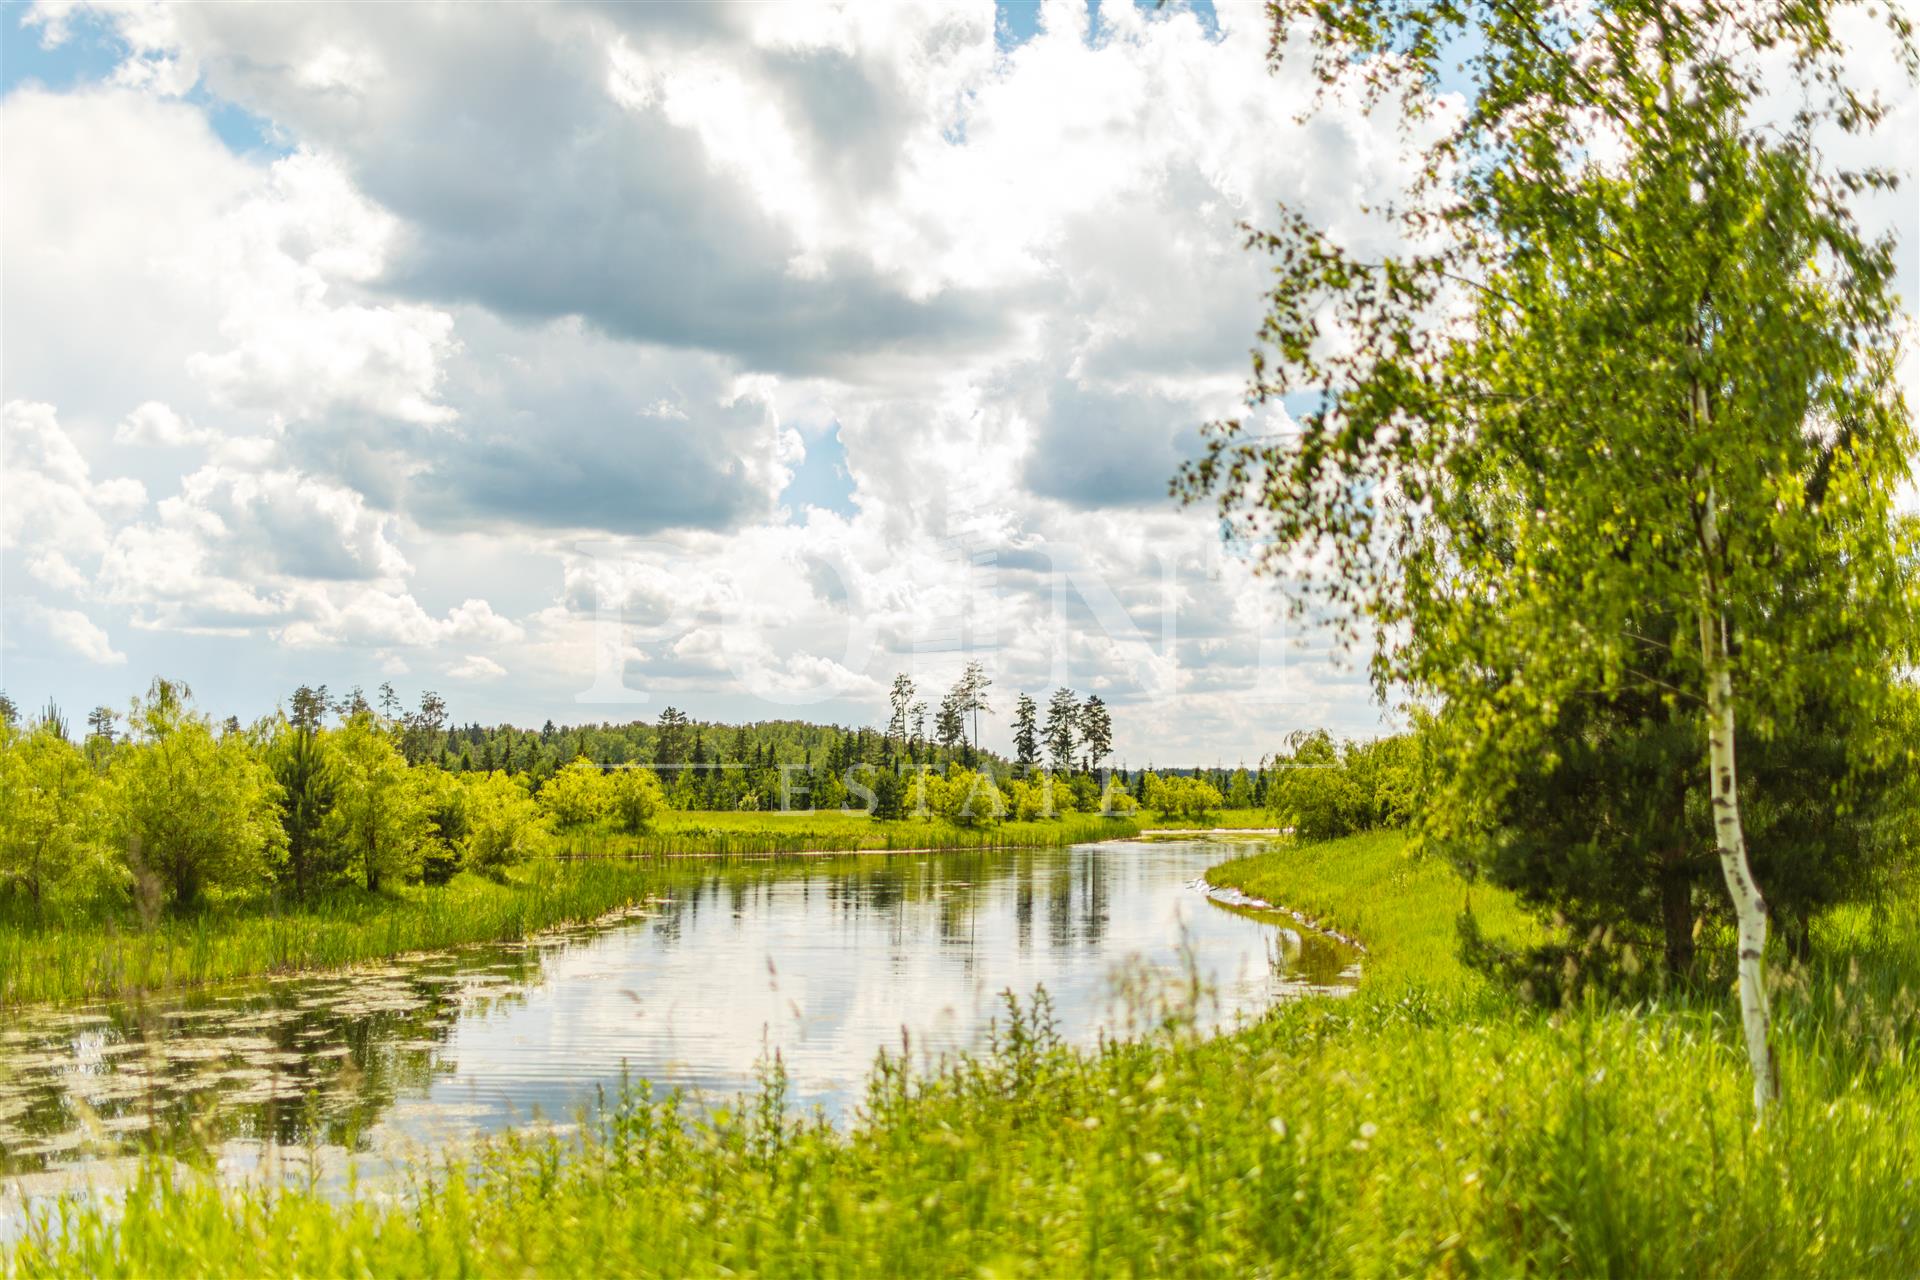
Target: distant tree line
{"type": "Point", "coordinates": [163, 806]}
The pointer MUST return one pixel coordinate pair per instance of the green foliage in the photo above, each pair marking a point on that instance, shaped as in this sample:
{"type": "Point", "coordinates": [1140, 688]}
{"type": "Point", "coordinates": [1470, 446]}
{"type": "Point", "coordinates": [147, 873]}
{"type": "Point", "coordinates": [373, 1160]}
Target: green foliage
{"type": "Point", "coordinates": [576, 796]}
{"type": "Point", "coordinates": [1602, 832]}
{"type": "Point", "coordinates": [634, 798]}
{"type": "Point", "coordinates": [723, 834]}
{"type": "Point", "coordinates": [962, 796]}
{"type": "Point", "coordinates": [504, 825]}
{"type": "Point", "coordinates": [95, 957]}
{"type": "Point", "coordinates": [1095, 725]}
{"type": "Point", "coordinates": [1036, 798]}
{"type": "Point", "coordinates": [889, 797]}
{"type": "Point", "coordinates": [1026, 732]}
{"type": "Point", "coordinates": [301, 757]}
{"type": "Point", "coordinates": [53, 819]}
{"type": "Point", "coordinates": [1063, 722]}
{"type": "Point", "coordinates": [1178, 796]}
{"type": "Point", "coordinates": [449, 810]}
{"type": "Point", "coordinates": [379, 818]}
{"type": "Point", "coordinates": [1622, 425]}
{"type": "Point", "coordinates": [195, 813]}
{"type": "Point", "coordinates": [1315, 794]}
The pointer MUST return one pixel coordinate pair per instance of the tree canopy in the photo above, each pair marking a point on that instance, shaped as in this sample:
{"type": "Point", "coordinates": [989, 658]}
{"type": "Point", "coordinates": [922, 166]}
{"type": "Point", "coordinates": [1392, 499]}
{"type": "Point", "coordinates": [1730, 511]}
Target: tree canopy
{"type": "Point", "coordinates": [1622, 413]}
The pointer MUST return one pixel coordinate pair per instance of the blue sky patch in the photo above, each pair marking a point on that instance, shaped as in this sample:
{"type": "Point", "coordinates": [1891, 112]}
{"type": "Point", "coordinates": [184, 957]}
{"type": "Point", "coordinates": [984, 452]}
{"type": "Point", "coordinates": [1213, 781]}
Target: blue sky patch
{"type": "Point", "coordinates": [822, 479]}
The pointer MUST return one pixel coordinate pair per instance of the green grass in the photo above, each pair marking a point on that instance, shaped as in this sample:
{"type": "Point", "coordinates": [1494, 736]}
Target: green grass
{"type": "Point", "coordinates": [1405, 914]}
{"type": "Point", "coordinates": [87, 957]}
{"type": "Point", "coordinates": [1426, 1125]}
{"type": "Point", "coordinates": [1221, 819]}
{"type": "Point", "coordinates": [722, 832]}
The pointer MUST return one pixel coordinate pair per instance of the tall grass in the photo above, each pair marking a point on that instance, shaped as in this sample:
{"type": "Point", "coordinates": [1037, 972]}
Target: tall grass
{"type": "Point", "coordinates": [86, 957]}
{"type": "Point", "coordinates": [1423, 1126]}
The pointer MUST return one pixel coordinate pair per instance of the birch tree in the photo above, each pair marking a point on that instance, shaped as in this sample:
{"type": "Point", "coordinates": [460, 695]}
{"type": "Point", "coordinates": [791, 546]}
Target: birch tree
{"type": "Point", "coordinates": [1622, 410]}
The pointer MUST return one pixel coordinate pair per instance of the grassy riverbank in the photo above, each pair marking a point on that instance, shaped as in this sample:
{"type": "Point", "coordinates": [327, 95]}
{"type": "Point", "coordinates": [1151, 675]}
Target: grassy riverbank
{"type": "Point", "coordinates": [1217, 820]}
{"type": "Point", "coordinates": [1427, 1124]}
{"type": "Point", "coordinates": [1403, 909]}
{"type": "Point", "coordinates": [706, 833]}
{"type": "Point", "coordinates": [83, 955]}
{"type": "Point", "coordinates": [87, 957]}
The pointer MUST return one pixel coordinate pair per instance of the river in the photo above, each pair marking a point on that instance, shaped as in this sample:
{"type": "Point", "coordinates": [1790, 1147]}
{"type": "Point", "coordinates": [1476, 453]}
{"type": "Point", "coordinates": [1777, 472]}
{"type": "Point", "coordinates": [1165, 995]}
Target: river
{"type": "Point", "coordinates": [824, 963]}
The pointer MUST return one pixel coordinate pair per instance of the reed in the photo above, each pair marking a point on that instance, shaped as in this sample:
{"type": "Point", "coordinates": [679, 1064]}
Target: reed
{"type": "Point", "coordinates": [83, 956]}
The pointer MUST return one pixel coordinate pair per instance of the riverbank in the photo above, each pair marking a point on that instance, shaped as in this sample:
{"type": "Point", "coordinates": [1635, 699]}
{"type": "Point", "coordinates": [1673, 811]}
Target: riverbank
{"type": "Point", "coordinates": [714, 833]}
{"type": "Point", "coordinates": [86, 958]}
{"type": "Point", "coordinates": [1429, 1123]}
{"type": "Point", "coordinates": [82, 955]}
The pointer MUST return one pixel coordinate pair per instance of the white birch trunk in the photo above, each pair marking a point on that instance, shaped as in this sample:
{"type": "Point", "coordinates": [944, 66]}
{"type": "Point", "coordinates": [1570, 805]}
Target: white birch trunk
{"type": "Point", "coordinates": [1749, 907]}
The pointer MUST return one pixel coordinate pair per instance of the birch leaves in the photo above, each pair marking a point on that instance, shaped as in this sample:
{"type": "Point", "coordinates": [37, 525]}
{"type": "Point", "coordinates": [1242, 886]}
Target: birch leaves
{"type": "Point", "coordinates": [1623, 416]}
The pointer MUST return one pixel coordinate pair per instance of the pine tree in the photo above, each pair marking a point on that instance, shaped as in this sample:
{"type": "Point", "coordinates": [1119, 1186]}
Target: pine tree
{"type": "Point", "coordinates": [950, 726]}
{"type": "Point", "coordinates": [1026, 735]}
{"type": "Point", "coordinates": [1096, 731]}
{"type": "Point", "coordinates": [1063, 710]}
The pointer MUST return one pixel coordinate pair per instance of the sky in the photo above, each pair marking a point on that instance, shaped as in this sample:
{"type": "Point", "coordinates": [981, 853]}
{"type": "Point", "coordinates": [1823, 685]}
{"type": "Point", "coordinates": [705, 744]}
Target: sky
{"type": "Point", "coordinates": [575, 361]}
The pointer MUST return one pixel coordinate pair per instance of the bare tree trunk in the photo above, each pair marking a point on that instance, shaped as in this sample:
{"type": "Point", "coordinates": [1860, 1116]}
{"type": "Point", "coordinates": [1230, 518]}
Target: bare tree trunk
{"type": "Point", "coordinates": [1749, 908]}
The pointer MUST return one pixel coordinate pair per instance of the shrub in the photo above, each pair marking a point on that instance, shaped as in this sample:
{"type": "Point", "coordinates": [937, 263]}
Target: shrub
{"type": "Point", "coordinates": [1116, 801]}
{"type": "Point", "coordinates": [449, 808]}
{"type": "Point", "coordinates": [380, 815]}
{"type": "Point", "coordinates": [634, 797]}
{"type": "Point", "coordinates": [195, 812]}
{"type": "Point", "coordinates": [577, 795]}
{"type": "Point", "coordinates": [504, 824]}
{"type": "Point", "coordinates": [53, 825]}
{"type": "Point", "coordinates": [1181, 797]}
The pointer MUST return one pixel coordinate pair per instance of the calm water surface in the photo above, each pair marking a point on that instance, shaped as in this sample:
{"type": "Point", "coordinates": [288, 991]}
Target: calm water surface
{"type": "Point", "coordinates": [826, 964]}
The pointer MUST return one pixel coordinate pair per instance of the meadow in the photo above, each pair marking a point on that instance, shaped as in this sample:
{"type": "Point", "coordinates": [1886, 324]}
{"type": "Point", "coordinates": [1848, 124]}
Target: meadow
{"type": "Point", "coordinates": [1431, 1123]}
{"type": "Point", "coordinates": [710, 833]}
{"type": "Point", "coordinates": [1214, 820]}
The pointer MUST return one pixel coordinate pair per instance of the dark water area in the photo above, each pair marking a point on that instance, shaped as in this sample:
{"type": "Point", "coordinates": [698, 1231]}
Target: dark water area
{"type": "Point", "coordinates": [826, 964]}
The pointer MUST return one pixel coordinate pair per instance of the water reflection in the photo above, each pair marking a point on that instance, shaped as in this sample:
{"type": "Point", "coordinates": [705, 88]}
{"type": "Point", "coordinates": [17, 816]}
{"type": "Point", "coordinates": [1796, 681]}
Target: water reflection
{"type": "Point", "coordinates": [825, 962]}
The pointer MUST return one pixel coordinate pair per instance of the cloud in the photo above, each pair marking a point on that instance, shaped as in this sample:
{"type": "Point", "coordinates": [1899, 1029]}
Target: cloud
{"type": "Point", "coordinates": [155, 424]}
{"type": "Point", "coordinates": [563, 428]}
{"type": "Point", "coordinates": [54, 510]}
{"type": "Point", "coordinates": [476, 667]}
{"type": "Point", "coordinates": [72, 632]}
{"type": "Point", "coordinates": [533, 313]}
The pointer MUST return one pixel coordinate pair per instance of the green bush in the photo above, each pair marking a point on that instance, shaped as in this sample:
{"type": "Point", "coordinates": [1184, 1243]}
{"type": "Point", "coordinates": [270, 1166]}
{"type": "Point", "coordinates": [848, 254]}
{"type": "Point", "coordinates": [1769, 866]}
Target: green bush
{"type": "Point", "coordinates": [505, 825]}
{"type": "Point", "coordinates": [195, 812]}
